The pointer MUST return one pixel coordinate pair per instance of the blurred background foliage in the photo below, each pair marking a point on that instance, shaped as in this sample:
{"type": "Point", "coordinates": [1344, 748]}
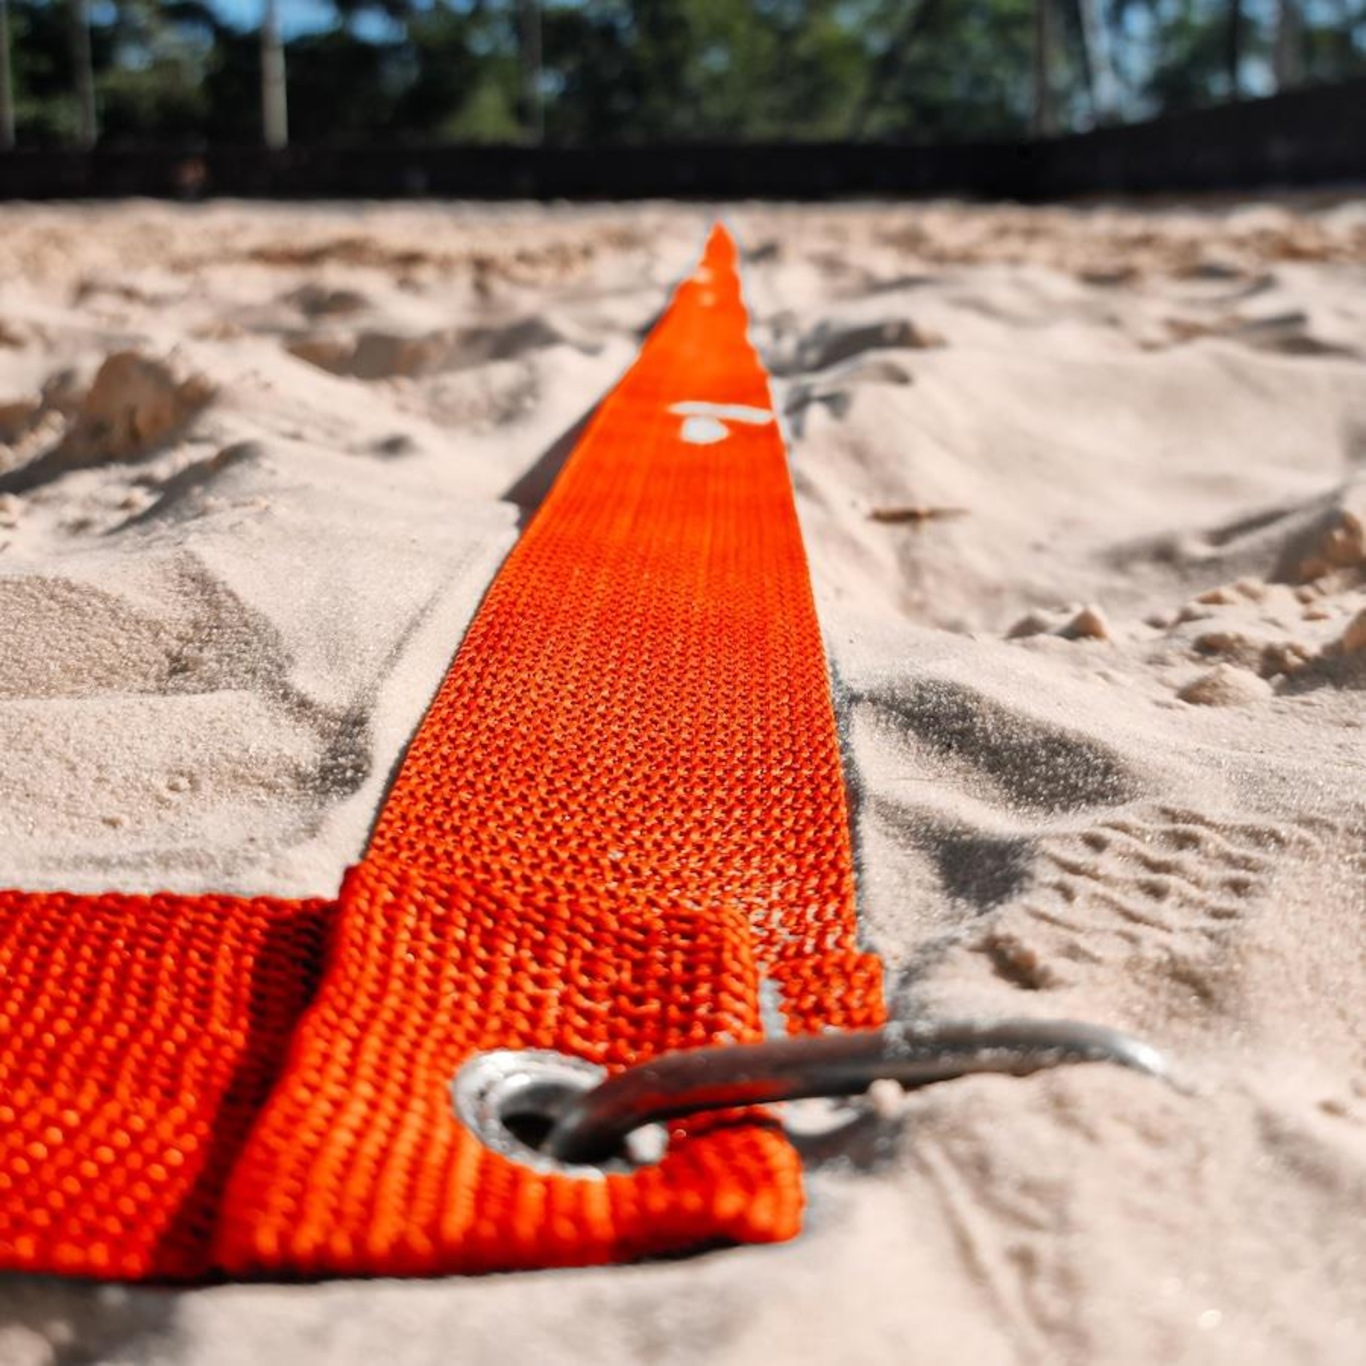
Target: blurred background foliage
{"type": "Point", "coordinates": [132, 72]}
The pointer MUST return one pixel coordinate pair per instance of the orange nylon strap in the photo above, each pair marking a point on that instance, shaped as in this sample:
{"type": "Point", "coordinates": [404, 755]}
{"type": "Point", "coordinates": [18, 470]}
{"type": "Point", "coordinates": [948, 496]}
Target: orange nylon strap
{"type": "Point", "coordinates": [621, 820]}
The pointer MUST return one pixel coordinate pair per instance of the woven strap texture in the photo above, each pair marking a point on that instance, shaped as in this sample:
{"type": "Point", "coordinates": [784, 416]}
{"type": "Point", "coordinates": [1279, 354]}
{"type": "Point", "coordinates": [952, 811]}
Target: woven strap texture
{"type": "Point", "coordinates": [621, 822]}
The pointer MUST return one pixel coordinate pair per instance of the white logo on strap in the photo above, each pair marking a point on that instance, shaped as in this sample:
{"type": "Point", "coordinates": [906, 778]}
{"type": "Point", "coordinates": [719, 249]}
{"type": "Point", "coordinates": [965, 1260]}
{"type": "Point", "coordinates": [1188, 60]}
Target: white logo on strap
{"type": "Point", "coordinates": [704, 424]}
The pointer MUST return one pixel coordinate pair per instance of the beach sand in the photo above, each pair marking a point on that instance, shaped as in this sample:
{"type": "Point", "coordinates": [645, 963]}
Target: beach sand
{"type": "Point", "coordinates": [1084, 493]}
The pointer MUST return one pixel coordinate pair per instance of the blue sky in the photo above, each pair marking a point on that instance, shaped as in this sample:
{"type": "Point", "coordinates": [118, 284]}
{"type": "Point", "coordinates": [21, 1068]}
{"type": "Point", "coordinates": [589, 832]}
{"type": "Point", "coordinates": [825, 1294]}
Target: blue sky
{"type": "Point", "coordinates": [296, 16]}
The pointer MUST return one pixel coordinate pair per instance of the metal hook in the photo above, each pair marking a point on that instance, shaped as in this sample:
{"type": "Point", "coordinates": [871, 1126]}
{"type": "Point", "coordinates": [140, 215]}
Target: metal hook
{"type": "Point", "coordinates": [593, 1126]}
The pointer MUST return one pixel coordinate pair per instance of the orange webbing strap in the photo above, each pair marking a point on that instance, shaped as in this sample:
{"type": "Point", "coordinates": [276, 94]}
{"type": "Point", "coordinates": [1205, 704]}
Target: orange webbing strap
{"type": "Point", "coordinates": [620, 822]}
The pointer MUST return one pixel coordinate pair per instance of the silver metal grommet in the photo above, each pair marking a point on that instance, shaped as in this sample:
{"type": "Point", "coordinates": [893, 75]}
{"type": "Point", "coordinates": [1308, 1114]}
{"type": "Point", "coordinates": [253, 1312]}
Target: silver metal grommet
{"type": "Point", "coordinates": [513, 1099]}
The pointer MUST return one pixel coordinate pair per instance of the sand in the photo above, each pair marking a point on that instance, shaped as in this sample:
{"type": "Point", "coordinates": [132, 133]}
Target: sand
{"type": "Point", "coordinates": [1085, 498]}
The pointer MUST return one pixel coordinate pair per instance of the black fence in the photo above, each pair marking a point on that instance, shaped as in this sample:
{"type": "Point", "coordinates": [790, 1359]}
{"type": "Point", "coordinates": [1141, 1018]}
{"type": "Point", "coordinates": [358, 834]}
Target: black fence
{"type": "Point", "coordinates": [1307, 138]}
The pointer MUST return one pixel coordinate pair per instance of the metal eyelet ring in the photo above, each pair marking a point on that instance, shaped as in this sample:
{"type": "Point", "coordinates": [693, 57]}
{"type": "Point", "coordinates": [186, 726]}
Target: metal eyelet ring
{"type": "Point", "coordinates": [513, 1099]}
{"type": "Point", "coordinates": [561, 1114]}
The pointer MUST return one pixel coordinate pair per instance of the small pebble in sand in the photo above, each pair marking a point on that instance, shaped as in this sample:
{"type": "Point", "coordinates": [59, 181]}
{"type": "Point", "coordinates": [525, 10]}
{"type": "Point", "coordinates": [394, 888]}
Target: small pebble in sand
{"type": "Point", "coordinates": [1088, 624]}
{"type": "Point", "coordinates": [15, 417]}
{"type": "Point", "coordinates": [1226, 686]}
{"type": "Point", "coordinates": [1020, 962]}
{"type": "Point", "coordinates": [1031, 624]}
{"type": "Point", "coordinates": [1265, 655]}
{"type": "Point", "coordinates": [218, 330]}
{"type": "Point", "coordinates": [1218, 597]}
{"type": "Point", "coordinates": [1342, 541]}
{"type": "Point", "coordinates": [1353, 639]}
{"type": "Point", "coordinates": [9, 510]}
{"type": "Point", "coordinates": [1232, 643]}
{"type": "Point", "coordinates": [886, 1099]}
{"type": "Point", "coordinates": [135, 403]}
{"type": "Point", "coordinates": [1192, 611]}
{"type": "Point", "coordinates": [1284, 657]}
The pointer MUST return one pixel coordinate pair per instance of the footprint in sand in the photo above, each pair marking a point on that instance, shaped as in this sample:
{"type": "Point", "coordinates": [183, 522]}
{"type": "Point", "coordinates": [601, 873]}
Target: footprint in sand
{"type": "Point", "coordinates": [135, 405]}
{"type": "Point", "coordinates": [969, 784]}
{"type": "Point", "coordinates": [835, 389]}
{"type": "Point", "coordinates": [373, 354]}
{"type": "Point", "coordinates": [827, 346]}
{"type": "Point", "coordinates": [1286, 334]}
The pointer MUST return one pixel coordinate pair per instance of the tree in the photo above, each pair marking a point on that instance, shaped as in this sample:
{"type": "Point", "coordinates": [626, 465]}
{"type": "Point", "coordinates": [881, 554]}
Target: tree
{"type": "Point", "coordinates": [274, 99]}
{"type": "Point", "coordinates": [608, 71]}
{"type": "Point", "coordinates": [1233, 49]}
{"type": "Point", "coordinates": [920, 19]}
{"type": "Point", "coordinates": [1289, 58]}
{"type": "Point", "coordinates": [6, 81]}
{"type": "Point", "coordinates": [83, 75]}
{"type": "Point", "coordinates": [459, 74]}
{"type": "Point", "coordinates": [1045, 53]}
{"type": "Point", "coordinates": [529, 45]}
{"type": "Point", "coordinates": [148, 61]}
{"type": "Point", "coordinates": [1102, 80]}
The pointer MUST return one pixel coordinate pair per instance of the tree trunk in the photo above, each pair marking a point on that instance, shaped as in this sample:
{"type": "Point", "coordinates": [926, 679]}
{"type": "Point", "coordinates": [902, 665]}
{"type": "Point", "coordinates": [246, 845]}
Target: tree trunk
{"type": "Point", "coordinates": [83, 76]}
{"type": "Point", "coordinates": [1100, 62]}
{"type": "Point", "coordinates": [1045, 47]}
{"type": "Point", "coordinates": [1233, 49]}
{"type": "Point", "coordinates": [533, 105]}
{"type": "Point", "coordinates": [887, 68]}
{"type": "Point", "coordinates": [274, 99]}
{"type": "Point", "coordinates": [1289, 58]}
{"type": "Point", "coordinates": [6, 82]}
